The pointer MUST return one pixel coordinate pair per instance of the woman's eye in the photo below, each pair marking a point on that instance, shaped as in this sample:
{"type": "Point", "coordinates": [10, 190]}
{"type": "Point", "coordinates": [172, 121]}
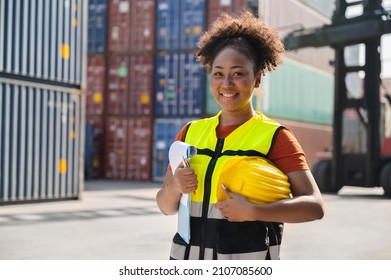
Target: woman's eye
{"type": "Point", "coordinates": [238, 74]}
{"type": "Point", "coordinates": [217, 74]}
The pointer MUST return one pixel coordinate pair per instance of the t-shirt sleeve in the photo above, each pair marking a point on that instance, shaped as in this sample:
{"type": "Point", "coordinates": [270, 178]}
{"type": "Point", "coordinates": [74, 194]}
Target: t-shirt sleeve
{"type": "Point", "coordinates": [181, 134]}
{"type": "Point", "coordinates": [286, 152]}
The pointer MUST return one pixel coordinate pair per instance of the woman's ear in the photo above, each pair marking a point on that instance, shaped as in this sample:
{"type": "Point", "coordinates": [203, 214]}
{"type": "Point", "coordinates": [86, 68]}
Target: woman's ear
{"type": "Point", "coordinates": [258, 79]}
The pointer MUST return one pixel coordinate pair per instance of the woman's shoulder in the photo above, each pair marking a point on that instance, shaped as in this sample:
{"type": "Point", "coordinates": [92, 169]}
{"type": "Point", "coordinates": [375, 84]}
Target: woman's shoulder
{"type": "Point", "coordinates": [287, 153]}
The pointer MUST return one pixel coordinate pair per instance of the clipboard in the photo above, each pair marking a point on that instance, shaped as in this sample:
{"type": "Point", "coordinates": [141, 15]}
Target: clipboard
{"type": "Point", "coordinates": [180, 151]}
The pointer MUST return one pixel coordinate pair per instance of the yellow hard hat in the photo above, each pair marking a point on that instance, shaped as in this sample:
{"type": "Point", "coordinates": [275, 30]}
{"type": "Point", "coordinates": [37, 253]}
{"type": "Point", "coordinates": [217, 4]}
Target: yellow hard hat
{"type": "Point", "coordinates": [255, 178]}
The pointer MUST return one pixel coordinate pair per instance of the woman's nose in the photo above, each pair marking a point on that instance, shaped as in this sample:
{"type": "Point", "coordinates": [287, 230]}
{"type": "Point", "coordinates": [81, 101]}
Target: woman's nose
{"type": "Point", "coordinates": [227, 81]}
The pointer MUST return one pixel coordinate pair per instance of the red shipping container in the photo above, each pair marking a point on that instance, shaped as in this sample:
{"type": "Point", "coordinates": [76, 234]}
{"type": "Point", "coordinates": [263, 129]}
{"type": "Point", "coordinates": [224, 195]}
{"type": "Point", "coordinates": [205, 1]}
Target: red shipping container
{"type": "Point", "coordinates": [215, 7]}
{"type": "Point", "coordinates": [139, 160]}
{"type": "Point", "coordinates": [118, 85]}
{"type": "Point", "coordinates": [116, 145]}
{"type": "Point", "coordinates": [130, 85]}
{"type": "Point", "coordinates": [98, 146]}
{"type": "Point", "coordinates": [95, 84]}
{"type": "Point", "coordinates": [131, 25]}
{"type": "Point", "coordinates": [128, 148]}
{"type": "Point", "coordinates": [141, 85]}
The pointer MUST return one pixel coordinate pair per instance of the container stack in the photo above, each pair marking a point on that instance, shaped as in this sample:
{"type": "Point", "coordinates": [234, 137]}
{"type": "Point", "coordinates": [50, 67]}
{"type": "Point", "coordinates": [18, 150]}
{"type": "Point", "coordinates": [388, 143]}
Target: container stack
{"type": "Point", "coordinates": [179, 79]}
{"type": "Point", "coordinates": [128, 97]}
{"type": "Point", "coordinates": [96, 87]}
{"type": "Point", "coordinates": [42, 79]}
{"type": "Point", "coordinates": [144, 83]}
{"type": "Point", "coordinates": [120, 84]}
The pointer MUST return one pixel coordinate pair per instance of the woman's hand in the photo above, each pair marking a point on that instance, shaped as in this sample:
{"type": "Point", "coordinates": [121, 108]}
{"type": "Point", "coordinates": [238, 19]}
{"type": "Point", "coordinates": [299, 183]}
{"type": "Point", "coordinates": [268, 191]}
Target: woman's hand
{"type": "Point", "coordinates": [184, 180]}
{"type": "Point", "coordinates": [235, 209]}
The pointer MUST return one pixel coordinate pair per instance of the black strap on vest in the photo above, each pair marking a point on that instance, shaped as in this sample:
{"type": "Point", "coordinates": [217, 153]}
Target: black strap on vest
{"type": "Point", "coordinates": [209, 152]}
{"type": "Point", "coordinates": [187, 252]}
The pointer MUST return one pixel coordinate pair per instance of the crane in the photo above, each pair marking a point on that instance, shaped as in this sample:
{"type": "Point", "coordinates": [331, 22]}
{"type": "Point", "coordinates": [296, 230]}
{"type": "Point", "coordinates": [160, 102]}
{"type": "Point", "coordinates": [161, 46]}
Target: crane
{"type": "Point", "coordinates": [369, 169]}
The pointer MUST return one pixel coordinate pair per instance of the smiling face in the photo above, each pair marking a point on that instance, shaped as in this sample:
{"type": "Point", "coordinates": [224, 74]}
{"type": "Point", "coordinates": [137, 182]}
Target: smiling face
{"type": "Point", "coordinates": [232, 81]}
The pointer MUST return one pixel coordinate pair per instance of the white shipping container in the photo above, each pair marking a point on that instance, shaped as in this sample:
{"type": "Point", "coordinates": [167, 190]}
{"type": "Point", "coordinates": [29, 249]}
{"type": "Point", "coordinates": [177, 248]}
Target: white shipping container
{"type": "Point", "coordinates": [44, 39]}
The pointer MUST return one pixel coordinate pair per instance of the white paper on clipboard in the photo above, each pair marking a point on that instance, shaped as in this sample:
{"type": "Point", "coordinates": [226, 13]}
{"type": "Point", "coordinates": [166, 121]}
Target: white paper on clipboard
{"type": "Point", "coordinates": [179, 150]}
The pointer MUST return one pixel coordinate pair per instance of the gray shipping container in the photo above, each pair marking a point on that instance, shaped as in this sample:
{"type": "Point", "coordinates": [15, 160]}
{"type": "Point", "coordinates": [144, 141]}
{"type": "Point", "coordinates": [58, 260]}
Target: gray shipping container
{"type": "Point", "coordinates": [43, 39]}
{"type": "Point", "coordinates": [41, 141]}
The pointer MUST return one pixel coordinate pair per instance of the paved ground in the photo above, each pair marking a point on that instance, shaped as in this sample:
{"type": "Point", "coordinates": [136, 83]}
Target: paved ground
{"type": "Point", "coordinates": [120, 220]}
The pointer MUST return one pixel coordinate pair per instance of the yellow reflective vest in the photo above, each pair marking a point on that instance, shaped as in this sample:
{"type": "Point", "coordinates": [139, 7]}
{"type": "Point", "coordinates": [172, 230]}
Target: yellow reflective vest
{"type": "Point", "coordinates": [212, 236]}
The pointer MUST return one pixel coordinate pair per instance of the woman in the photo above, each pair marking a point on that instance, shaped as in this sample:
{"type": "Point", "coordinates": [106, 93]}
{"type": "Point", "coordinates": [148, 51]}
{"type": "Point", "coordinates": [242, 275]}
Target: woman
{"type": "Point", "coordinates": [237, 52]}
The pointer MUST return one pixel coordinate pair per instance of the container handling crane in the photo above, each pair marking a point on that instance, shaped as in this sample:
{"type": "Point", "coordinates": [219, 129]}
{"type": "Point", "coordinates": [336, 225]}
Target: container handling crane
{"type": "Point", "coordinates": [369, 169]}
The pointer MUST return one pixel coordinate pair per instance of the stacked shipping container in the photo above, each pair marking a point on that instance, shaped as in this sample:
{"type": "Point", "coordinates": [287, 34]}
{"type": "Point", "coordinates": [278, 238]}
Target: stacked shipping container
{"type": "Point", "coordinates": [96, 88]}
{"type": "Point", "coordinates": [178, 83]}
{"type": "Point", "coordinates": [121, 90]}
{"type": "Point", "coordinates": [136, 85]}
{"type": "Point", "coordinates": [147, 82]}
{"type": "Point", "coordinates": [41, 102]}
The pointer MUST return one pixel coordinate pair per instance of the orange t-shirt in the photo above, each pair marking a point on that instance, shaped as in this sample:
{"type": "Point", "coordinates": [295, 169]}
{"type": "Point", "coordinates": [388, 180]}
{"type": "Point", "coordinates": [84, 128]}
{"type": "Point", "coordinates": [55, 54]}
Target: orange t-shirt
{"type": "Point", "coordinates": [286, 152]}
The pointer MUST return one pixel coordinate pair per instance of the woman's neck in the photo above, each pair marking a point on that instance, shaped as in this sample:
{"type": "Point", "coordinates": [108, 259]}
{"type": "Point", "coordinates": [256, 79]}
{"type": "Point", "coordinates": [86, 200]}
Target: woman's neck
{"type": "Point", "coordinates": [233, 118]}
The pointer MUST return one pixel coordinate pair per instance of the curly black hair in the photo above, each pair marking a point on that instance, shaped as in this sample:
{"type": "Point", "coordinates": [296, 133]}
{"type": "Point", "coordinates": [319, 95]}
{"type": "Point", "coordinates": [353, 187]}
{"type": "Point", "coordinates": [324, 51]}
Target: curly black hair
{"type": "Point", "coordinates": [245, 33]}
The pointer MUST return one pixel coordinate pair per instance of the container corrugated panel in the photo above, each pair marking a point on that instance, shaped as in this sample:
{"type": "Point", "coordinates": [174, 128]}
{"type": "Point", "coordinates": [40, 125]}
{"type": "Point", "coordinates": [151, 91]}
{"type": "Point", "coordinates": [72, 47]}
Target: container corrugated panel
{"type": "Point", "coordinates": [165, 131]}
{"type": "Point", "coordinates": [88, 151]}
{"type": "Point", "coordinates": [139, 153]}
{"type": "Point", "coordinates": [297, 92]}
{"type": "Point", "coordinates": [130, 82]}
{"type": "Point", "coordinates": [128, 148]}
{"type": "Point", "coordinates": [96, 75]}
{"type": "Point", "coordinates": [118, 85]}
{"type": "Point", "coordinates": [179, 85]}
{"type": "Point", "coordinates": [289, 15]}
{"type": "Point", "coordinates": [215, 7]}
{"type": "Point", "coordinates": [43, 39]}
{"type": "Point", "coordinates": [97, 26]}
{"type": "Point", "coordinates": [313, 138]}
{"type": "Point", "coordinates": [41, 142]}
{"type": "Point", "coordinates": [354, 136]}
{"type": "Point", "coordinates": [131, 26]}
{"type": "Point", "coordinates": [325, 7]}
{"type": "Point", "coordinates": [179, 23]}
{"type": "Point", "coordinates": [116, 144]}
{"type": "Point", "coordinates": [97, 149]}
{"type": "Point", "coordinates": [140, 85]}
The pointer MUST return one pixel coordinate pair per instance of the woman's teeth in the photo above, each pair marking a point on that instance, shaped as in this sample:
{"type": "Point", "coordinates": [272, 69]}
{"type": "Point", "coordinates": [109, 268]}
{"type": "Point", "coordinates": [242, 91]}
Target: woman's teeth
{"type": "Point", "coordinates": [228, 95]}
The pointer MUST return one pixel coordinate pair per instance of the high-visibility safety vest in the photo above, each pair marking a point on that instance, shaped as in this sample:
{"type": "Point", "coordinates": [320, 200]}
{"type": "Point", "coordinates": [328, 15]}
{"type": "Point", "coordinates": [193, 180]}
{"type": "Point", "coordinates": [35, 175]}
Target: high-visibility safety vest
{"type": "Point", "coordinates": [212, 236]}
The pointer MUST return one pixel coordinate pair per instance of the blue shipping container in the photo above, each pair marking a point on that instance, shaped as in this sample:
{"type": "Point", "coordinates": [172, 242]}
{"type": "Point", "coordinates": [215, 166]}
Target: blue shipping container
{"type": "Point", "coordinates": [43, 40]}
{"type": "Point", "coordinates": [97, 26]}
{"type": "Point", "coordinates": [179, 85]}
{"type": "Point", "coordinates": [165, 131]}
{"type": "Point", "coordinates": [89, 151]}
{"type": "Point", "coordinates": [41, 136]}
{"type": "Point", "coordinates": [179, 23]}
